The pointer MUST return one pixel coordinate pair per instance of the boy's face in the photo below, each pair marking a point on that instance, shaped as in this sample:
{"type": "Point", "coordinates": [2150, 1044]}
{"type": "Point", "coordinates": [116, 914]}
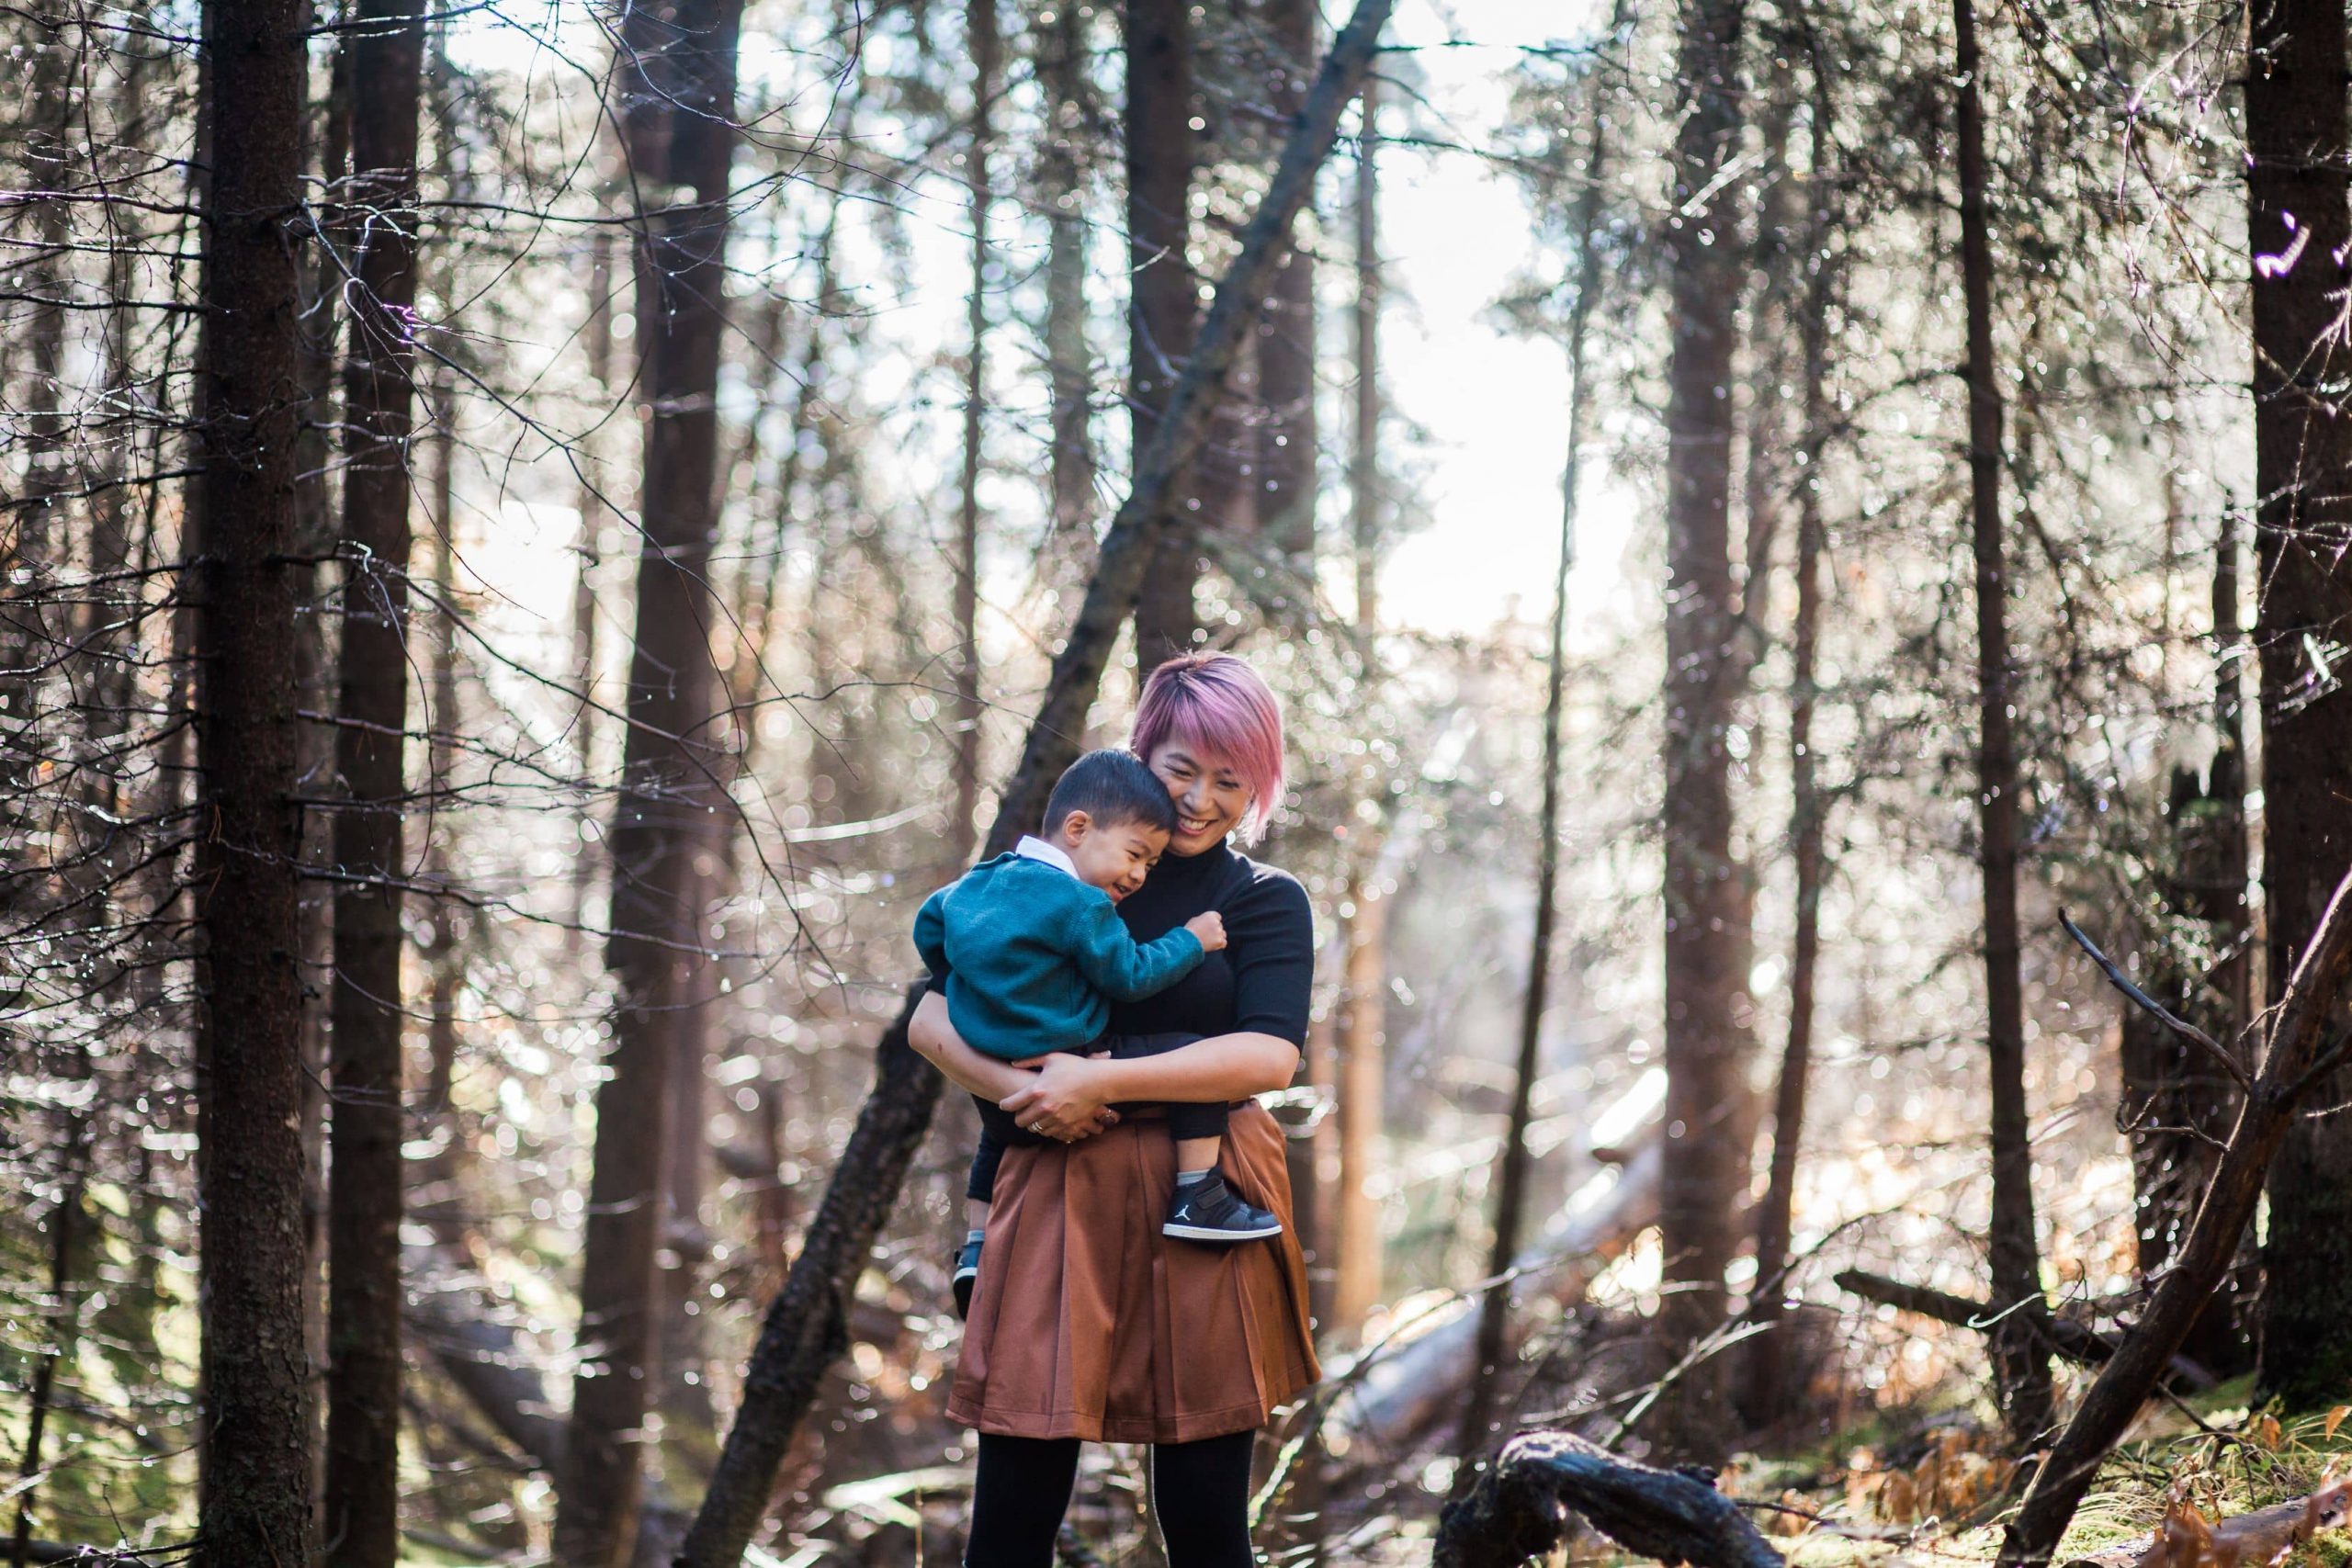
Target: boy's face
{"type": "Point", "coordinates": [1114, 856]}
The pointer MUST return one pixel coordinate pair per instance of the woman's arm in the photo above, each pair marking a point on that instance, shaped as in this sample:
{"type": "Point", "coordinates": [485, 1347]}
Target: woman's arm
{"type": "Point", "coordinates": [1069, 1093]}
{"type": "Point", "coordinates": [934, 1038]}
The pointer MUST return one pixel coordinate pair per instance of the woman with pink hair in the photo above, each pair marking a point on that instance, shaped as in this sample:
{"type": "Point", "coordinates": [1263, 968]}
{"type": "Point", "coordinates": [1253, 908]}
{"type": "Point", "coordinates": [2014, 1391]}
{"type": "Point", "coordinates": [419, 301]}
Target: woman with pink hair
{"type": "Point", "coordinates": [1087, 1323]}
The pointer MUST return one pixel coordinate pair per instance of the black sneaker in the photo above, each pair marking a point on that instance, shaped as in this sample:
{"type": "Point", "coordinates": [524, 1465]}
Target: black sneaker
{"type": "Point", "coordinates": [964, 1271]}
{"type": "Point", "coordinates": [1207, 1210]}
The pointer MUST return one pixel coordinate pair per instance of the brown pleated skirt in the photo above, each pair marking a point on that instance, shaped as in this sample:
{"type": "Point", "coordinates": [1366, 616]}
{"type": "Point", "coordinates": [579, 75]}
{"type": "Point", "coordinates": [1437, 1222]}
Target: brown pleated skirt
{"type": "Point", "coordinates": [1088, 1322]}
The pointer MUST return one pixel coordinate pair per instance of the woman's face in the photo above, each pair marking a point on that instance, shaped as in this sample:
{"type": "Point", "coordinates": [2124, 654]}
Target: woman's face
{"type": "Point", "coordinates": [1210, 796]}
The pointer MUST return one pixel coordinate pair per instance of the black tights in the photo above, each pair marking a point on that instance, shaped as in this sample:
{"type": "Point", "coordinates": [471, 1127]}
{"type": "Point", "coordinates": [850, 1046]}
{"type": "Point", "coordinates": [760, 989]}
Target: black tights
{"type": "Point", "coordinates": [1200, 1493]}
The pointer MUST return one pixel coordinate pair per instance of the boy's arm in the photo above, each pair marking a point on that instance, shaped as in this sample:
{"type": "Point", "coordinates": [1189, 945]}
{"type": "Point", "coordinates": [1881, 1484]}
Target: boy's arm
{"type": "Point", "coordinates": [1116, 965]}
{"type": "Point", "coordinates": [931, 934]}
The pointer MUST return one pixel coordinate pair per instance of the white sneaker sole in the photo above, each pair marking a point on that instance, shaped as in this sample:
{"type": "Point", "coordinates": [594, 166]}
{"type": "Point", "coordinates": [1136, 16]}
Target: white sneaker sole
{"type": "Point", "coordinates": [1205, 1233]}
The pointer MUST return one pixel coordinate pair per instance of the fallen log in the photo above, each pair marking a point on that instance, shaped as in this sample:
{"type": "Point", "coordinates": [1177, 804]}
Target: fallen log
{"type": "Point", "coordinates": [2077, 1342]}
{"type": "Point", "coordinates": [2292, 1065]}
{"type": "Point", "coordinates": [1401, 1392]}
{"type": "Point", "coordinates": [1521, 1506]}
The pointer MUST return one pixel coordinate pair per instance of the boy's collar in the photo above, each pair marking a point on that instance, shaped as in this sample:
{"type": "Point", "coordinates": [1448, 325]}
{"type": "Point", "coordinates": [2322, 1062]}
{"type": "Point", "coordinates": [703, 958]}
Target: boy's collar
{"type": "Point", "coordinates": [1031, 847]}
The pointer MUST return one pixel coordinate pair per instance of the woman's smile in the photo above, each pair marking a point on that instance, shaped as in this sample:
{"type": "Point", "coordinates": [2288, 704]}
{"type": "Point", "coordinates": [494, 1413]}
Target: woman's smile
{"type": "Point", "coordinates": [1210, 794]}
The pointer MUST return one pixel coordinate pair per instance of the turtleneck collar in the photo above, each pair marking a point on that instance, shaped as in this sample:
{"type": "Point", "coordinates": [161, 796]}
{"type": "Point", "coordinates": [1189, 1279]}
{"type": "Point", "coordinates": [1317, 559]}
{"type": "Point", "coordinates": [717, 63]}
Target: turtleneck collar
{"type": "Point", "coordinates": [1187, 868]}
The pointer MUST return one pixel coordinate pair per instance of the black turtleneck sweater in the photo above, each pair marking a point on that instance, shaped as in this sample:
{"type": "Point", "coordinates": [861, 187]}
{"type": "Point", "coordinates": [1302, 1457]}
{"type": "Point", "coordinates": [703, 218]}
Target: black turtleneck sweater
{"type": "Point", "coordinates": [1262, 982]}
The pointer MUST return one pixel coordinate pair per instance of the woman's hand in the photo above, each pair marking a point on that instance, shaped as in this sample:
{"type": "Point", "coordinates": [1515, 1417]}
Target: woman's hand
{"type": "Point", "coordinates": [1066, 1101]}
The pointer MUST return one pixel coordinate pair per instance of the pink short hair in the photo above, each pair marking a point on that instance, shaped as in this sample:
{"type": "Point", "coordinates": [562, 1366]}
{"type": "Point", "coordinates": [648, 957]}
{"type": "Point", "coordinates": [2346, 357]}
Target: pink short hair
{"type": "Point", "coordinates": [1217, 703]}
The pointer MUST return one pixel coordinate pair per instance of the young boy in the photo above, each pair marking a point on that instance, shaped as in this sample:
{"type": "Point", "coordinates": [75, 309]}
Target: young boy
{"type": "Point", "coordinates": [1030, 951]}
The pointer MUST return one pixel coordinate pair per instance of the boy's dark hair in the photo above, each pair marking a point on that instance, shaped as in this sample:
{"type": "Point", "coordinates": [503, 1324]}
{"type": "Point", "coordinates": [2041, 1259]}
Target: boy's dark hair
{"type": "Point", "coordinates": [1113, 788]}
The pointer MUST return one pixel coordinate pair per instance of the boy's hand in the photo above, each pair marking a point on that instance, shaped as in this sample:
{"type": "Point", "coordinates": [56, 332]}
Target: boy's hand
{"type": "Point", "coordinates": [1210, 928]}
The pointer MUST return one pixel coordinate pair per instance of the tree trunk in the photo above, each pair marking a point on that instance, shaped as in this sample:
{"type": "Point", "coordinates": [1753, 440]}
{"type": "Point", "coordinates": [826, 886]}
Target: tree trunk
{"type": "Point", "coordinates": [1511, 1168]}
{"type": "Point", "coordinates": [1062, 57]}
{"type": "Point", "coordinates": [2020, 1344]}
{"type": "Point", "coordinates": [1707, 894]}
{"type": "Point", "coordinates": [2298, 229]}
{"type": "Point", "coordinates": [1362, 1068]}
{"type": "Point", "coordinates": [1285, 486]}
{"type": "Point", "coordinates": [1359, 1065]}
{"type": "Point", "coordinates": [440, 1180]}
{"type": "Point", "coordinates": [982, 39]}
{"type": "Point", "coordinates": [1765, 1386]}
{"type": "Point", "coordinates": [672, 775]}
{"type": "Point", "coordinates": [362, 1525]}
{"type": "Point", "coordinates": [256, 1501]}
{"type": "Point", "coordinates": [594, 506]}
{"type": "Point", "coordinates": [805, 1329]}
{"type": "Point", "coordinates": [62, 1326]}
{"type": "Point", "coordinates": [1363, 461]}
{"type": "Point", "coordinates": [1163, 305]}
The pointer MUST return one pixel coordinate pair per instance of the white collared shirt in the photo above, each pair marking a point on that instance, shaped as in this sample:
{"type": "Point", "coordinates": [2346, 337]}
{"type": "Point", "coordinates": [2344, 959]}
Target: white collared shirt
{"type": "Point", "coordinates": [1031, 847]}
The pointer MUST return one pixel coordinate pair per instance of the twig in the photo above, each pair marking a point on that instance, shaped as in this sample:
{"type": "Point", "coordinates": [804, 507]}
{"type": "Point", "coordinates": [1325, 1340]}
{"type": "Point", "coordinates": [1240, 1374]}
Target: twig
{"type": "Point", "coordinates": [2170, 1019]}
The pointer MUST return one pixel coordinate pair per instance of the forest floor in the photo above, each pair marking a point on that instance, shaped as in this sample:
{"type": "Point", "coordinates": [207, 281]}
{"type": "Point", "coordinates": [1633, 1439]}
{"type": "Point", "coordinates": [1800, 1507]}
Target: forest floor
{"type": "Point", "coordinates": [1931, 1488]}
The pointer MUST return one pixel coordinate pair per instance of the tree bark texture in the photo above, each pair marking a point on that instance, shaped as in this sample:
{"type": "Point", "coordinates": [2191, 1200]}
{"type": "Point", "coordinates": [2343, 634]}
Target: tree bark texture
{"type": "Point", "coordinates": [982, 37]}
{"type": "Point", "coordinates": [804, 1331]}
{"type": "Point", "coordinates": [1286, 340]}
{"type": "Point", "coordinates": [2298, 229]}
{"type": "Point", "coordinates": [1163, 301]}
{"type": "Point", "coordinates": [1707, 901]}
{"type": "Point", "coordinates": [674, 777]}
{"type": "Point", "coordinates": [1062, 57]}
{"type": "Point", "coordinates": [362, 1525]}
{"type": "Point", "coordinates": [2300, 1021]}
{"type": "Point", "coordinates": [255, 1495]}
{"type": "Point", "coordinates": [2020, 1342]}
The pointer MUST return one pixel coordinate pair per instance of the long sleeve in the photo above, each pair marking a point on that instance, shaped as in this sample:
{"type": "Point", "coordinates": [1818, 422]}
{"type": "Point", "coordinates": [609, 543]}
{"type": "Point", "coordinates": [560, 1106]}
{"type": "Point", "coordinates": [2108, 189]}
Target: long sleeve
{"type": "Point", "coordinates": [930, 935]}
{"type": "Point", "coordinates": [1272, 928]}
{"type": "Point", "coordinates": [1116, 965]}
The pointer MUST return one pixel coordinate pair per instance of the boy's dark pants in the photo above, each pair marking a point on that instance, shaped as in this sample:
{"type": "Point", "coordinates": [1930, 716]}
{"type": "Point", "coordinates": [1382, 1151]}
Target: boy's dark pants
{"type": "Point", "coordinates": [999, 1130]}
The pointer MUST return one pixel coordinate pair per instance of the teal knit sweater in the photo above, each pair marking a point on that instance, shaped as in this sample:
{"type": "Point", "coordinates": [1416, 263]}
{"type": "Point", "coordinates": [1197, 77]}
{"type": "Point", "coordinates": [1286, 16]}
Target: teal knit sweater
{"type": "Point", "coordinates": [1031, 957]}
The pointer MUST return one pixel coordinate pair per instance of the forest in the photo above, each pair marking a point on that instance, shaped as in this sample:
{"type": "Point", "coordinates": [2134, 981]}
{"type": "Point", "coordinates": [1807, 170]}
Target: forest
{"type": "Point", "coordinates": [1753, 596]}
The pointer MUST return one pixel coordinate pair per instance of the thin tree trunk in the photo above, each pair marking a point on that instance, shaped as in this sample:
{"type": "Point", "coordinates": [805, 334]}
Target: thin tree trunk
{"type": "Point", "coordinates": [362, 1527]}
{"type": "Point", "coordinates": [2286, 1082]}
{"type": "Point", "coordinates": [805, 1329]}
{"type": "Point", "coordinates": [593, 506]}
{"type": "Point", "coordinates": [2299, 231]}
{"type": "Point", "coordinates": [1766, 1389]}
{"type": "Point", "coordinates": [63, 1327]}
{"type": "Point", "coordinates": [1707, 899]}
{"type": "Point", "coordinates": [1062, 69]}
{"type": "Point", "coordinates": [1364, 1076]}
{"type": "Point", "coordinates": [982, 39]}
{"type": "Point", "coordinates": [1163, 307]}
{"type": "Point", "coordinates": [673, 777]}
{"type": "Point", "coordinates": [255, 1495]}
{"type": "Point", "coordinates": [441, 1181]}
{"type": "Point", "coordinates": [1364, 465]}
{"type": "Point", "coordinates": [1511, 1167]}
{"type": "Point", "coordinates": [1286, 343]}
{"type": "Point", "coordinates": [1361, 1066]}
{"type": "Point", "coordinates": [2020, 1343]}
